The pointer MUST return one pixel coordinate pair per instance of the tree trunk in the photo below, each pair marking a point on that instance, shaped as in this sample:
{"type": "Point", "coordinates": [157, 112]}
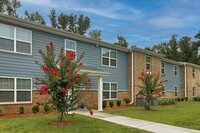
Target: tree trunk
{"type": "Point", "coordinates": [148, 105]}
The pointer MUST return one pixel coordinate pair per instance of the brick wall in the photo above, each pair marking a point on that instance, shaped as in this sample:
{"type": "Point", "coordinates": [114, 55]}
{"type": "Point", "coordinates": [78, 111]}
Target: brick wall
{"type": "Point", "coordinates": [14, 108]}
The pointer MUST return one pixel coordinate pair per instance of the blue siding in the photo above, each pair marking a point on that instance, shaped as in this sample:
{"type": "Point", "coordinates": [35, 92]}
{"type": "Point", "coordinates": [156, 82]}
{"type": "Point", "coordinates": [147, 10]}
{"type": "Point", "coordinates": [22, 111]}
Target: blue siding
{"type": "Point", "coordinates": [172, 80]}
{"type": "Point", "coordinates": [18, 65]}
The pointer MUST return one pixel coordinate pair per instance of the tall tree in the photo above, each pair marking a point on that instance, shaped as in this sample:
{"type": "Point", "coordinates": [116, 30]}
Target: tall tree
{"type": "Point", "coordinates": [62, 21]}
{"type": "Point", "coordinates": [121, 41]}
{"type": "Point", "coordinates": [34, 17]}
{"type": "Point", "coordinates": [10, 7]}
{"type": "Point", "coordinates": [95, 34]}
{"type": "Point", "coordinates": [53, 18]}
{"type": "Point", "coordinates": [83, 24]}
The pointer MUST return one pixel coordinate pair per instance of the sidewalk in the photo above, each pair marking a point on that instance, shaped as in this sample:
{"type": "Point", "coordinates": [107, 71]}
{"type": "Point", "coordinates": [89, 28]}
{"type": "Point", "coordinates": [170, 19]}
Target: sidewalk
{"type": "Point", "coordinates": [136, 123]}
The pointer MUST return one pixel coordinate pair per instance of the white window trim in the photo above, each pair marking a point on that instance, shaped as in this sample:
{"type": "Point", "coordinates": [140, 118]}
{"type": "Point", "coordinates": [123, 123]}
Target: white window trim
{"type": "Point", "coordinates": [148, 62]}
{"type": "Point", "coordinates": [111, 91]}
{"type": "Point", "coordinates": [75, 51]}
{"type": "Point", "coordinates": [15, 90]}
{"type": "Point", "coordinates": [175, 91]}
{"type": "Point", "coordinates": [175, 66]}
{"type": "Point", "coordinates": [162, 68]}
{"type": "Point", "coordinates": [15, 41]}
{"type": "Point", "coordinates": [108, 58]}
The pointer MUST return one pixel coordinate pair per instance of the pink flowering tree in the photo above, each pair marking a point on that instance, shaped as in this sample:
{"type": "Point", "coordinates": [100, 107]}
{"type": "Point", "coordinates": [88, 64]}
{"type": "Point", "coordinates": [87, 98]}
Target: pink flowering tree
{"type": "Point", "coordinates": [152, 85]}
{"type": "Point", "coordinates": [61, 77]}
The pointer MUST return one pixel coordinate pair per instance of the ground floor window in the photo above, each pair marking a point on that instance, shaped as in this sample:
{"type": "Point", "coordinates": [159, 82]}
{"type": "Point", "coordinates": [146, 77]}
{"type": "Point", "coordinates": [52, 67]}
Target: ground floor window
{"type": "Point", "coordinates": [193, 91]}
{"type": "Point", "coordinates": [110, 90]}
{"type": "Point", "coordinates": [15, 90]}
{"type": "Point", "coordinates": [176, 90]}
{"type": "Point", "coordinates": [163, 91]}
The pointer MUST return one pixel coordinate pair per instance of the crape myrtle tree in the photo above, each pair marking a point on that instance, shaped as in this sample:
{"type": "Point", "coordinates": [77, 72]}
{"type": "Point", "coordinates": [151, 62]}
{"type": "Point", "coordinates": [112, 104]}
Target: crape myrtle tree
{"type": "Point", "coordinates": [152, 85]}
{"type": "Point", "coordinates": [61, 77]}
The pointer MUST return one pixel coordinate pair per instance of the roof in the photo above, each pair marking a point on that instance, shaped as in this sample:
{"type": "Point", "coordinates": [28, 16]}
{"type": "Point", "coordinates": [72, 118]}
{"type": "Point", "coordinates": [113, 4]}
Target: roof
{"type": "Point", "coordinates": [146, 51]}
{"type": "Point", "coordinates": [48, 29]}
{"type": "Point", "coordinates": [93, 71]}
{"type": "Point", "coordinates": [190, 64]}
{"type": "Point", "coordinates": [171, 61]}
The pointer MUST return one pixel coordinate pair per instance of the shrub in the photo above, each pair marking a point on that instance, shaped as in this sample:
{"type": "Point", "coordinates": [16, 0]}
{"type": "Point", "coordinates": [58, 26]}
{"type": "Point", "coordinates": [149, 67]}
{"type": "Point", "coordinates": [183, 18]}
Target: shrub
{"type": "Point", "coordinates": [111, 104]}
{"type": "Point", "coordinates": [1, 110]}
{"type": "Point", "coordinates": [118, 103]}
{"type": "Point", "coordinates": [126, 100]}
{"type": "Point", "coordinates": [35, 109]}
{"type": "Point", "coordinates": [186, 99]}
{"type": "Point", "coordinates": [196, 98]}
{"type": "Point", "coordinates": [178, 99]}
{"type": "Point", "coordinates": [182, 98]}
{"type": "Point", "coordinates": [104, 104]}
{"type": "Point", "coordinates": [47, 108]}
{"type": "Point", "coordinates": [21, 110]}
{"type": "Point", "coordinates": [166, 101]}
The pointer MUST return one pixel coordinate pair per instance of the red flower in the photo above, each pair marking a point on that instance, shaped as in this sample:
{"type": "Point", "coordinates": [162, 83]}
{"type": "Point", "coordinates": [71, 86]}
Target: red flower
{"type": "Point", "coordinates": [69, 78]}
{"type": "Point", "coordinates": [41, 93]}
{"type": "Point", "coordinates": [47, 47]}
{"type": "Point", "coordinates": [158, 91]}
{"type": "Point", "coordinates": [73, 114]}
{"type": "Point", "coordinates": [70, 55]}
{"type": "Point", "coordinates": [36, 78]}
{"type": "Point", "coordinates": [44, 88]}
{"type": "Point", "coordinates": [72, 83]}
{"type": "Point", "coordinates": [142, 73]}
{"type": "Point", "coordinates": [91, 112]}
{"type": "Point", "coordinates": [44, 92]}
{"type": "Point", "coordinates": [45, 68]}
{"type": "Point", "coordinates": [64, 90]}
{"type": "Point", "coordinates": [77, 74]}
{"type": "Point", "coordinates": [35, 82]}
{"type": "Point", "coordinates": [158, 75]}
{"type": "Point", "coordinates": [81, 64]}
{"type": "Point", "coordinates": [51, 44]}
{"type": "Point", "coordinates": [37, 103]}
{"type": "Point", "coordinates": [166, 80]}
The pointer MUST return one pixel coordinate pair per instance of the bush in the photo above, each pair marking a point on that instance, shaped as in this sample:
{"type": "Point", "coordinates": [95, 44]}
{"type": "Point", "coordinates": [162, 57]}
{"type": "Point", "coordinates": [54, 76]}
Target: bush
{"type": "Point", "coordinates": [47, 108]}
{"type": "Point", "coordinates": [104, 104]}
{"type": "Point", "coordinates": [118, 103]}
{"type": "Point", "coordinates": [182, 99]}
{"type": "Point", "coordinates": [35, 109]}
{"type": "Point", "coordinates": [21, 110]}
{"type": "Point", "coordinates": [1, 110]}
{"type": "Point", "coordinates": [126, 100]}
{"type": "Point", "coordinates": [166, 101]}
{"type": "Point", "coordinates": [196, 98]}
{"type": "Point", "coordinates": [111, 104]}
{"type": "Point", "coordinates": [186, 99]}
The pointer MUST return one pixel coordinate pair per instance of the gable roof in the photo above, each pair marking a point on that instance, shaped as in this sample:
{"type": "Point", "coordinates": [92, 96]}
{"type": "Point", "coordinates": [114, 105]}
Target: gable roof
{"type": "Point", "coordinates": [48, 29]}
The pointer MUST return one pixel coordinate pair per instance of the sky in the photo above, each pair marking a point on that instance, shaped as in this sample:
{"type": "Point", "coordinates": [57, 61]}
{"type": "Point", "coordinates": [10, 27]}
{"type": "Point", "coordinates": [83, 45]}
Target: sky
{"type": "Point", "coordinates": [143, 23]}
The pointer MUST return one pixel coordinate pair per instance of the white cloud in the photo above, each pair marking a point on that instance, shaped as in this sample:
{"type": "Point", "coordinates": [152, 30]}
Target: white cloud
{"type": "Point", "coordinates": [41, 2]}
{"type": "Point", "coordinates": [170, 21]}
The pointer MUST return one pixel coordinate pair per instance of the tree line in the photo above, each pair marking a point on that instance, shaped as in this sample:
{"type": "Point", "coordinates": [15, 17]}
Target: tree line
{"type": "Point", "coordinates": [79, 24]}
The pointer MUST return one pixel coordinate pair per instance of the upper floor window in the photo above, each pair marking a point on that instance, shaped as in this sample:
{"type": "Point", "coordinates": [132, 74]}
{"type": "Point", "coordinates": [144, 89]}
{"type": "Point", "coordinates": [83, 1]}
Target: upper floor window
{"type": "Point", "coordinates": [193, 72]}
{"type": "Point", "coordinates": [175, 70]}
{"type": "Point", "coordinates": [109, 57]}
{"type": "Point", "coordinates": [70, 45]}
{"type": "Point", "coordinates": [110, 90]}
{"type": "Point", "coordinates": [15, 39]}
{"type": "Point", "coordinates": [15, 90]}
{"type": "Point", "coordinates": [162, 68]}
{"type": "Point", "coordinates": [148, 62]}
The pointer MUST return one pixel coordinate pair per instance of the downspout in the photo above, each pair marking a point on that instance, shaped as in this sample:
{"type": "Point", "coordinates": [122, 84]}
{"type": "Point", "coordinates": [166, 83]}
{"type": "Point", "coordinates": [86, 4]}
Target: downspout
{"type": "Point", "coordinates": [132, 77]}
{"type": "Point", "coordinates": [185, 80]}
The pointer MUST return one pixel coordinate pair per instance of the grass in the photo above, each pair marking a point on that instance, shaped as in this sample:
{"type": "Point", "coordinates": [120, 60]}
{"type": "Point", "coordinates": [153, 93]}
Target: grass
{"type": "Point", "coordinates": [38, 124]}
{"type": "Point", "coordinates": [184, 114]}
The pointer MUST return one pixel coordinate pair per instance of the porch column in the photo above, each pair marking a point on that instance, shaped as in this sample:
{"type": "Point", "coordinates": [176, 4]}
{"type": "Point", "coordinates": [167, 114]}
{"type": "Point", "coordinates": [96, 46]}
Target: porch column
{"type": "Point", "coordinates": [100, 94]}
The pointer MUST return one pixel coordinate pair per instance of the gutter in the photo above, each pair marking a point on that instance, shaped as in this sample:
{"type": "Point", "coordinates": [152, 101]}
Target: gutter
{"type": "Point", "coordinates": [132, 77]}
{"type": "Point", "coordinates": [185, 80]}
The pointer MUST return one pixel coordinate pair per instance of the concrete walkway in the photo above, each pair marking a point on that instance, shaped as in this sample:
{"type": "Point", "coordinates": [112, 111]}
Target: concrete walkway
{"type": "Point", "coordinates": [136, 123]}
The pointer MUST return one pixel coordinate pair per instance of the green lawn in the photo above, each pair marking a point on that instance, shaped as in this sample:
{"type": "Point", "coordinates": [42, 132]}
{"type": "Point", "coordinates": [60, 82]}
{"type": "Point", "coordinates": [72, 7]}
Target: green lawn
{"type": "Point", "coordinates": [184, 114]}
{"type": "Point", "coordinates": [83, 124]}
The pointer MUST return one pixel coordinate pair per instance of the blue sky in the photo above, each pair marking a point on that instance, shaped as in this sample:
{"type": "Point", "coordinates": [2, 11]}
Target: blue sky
{"type": "Point", "coordinates": [142, 22]}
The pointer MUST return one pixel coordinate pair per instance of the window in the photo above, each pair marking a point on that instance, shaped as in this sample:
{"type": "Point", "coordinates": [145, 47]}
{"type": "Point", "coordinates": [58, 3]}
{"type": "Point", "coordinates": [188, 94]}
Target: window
{"type": "Point", "coordinates": [162, 68]}
{"type": "Point", "coordinates": [15, 90]}
{"type": "Point", "coordinates": [176, 90]}
{"type": "Point", "coordinates": [110, 90]}
{"type": "Point", "coordinates": [175, 70]}
{"type": "Point", "coordinates": [163, 91]}
{"type": "Point", "coordinates": [109, 57]}
{"type": "Point", "coordinates": [193, 72]}
{"type": "Point", "coordinates": [15, 39]}
{"type": "Point", "coordinates": [70, 45]}
{"type": "Point", "coordinates": [148, 62]}
{"type": "Point", "coordinates": [193, 91]}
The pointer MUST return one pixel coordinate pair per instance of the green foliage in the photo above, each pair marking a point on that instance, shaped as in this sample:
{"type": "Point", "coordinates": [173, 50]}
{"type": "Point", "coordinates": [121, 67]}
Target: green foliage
{"type": "Point", "coordinates": [118, 103]}
{"type": "Point", "coordinates": [53, 18]}
{"type": "Point", "coordinates": [196, 98]}
{"type": "Point", "coordinates": [179, 99]}
{"type": "Point", "coordinates": [62, 77]}
{"type": "Point", "coordinates": [47, 108]}
{"type": "Point", "coordinates": [166, 101]}
{"type": "Point", "coordinates": [121, 41]}
{"type": "Point", "coordinates": [1, 110]}
{"type": "Point", "coordinates": [34, 17]}
{"type": "Point", "coordinates": [104, 104]}
{"type": "Point", "coordinates": [111, 103]}
{"type": "Point", "coordinates": [21, 110]}
{"type": "Point", "coordinates": [95, 34]}
{"type": "Point", "coordinates": [126, 100]}
{"type": "Point", "coordinates": [10, 7]}
{"type": "Point", "coordinates": [35, 109]}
